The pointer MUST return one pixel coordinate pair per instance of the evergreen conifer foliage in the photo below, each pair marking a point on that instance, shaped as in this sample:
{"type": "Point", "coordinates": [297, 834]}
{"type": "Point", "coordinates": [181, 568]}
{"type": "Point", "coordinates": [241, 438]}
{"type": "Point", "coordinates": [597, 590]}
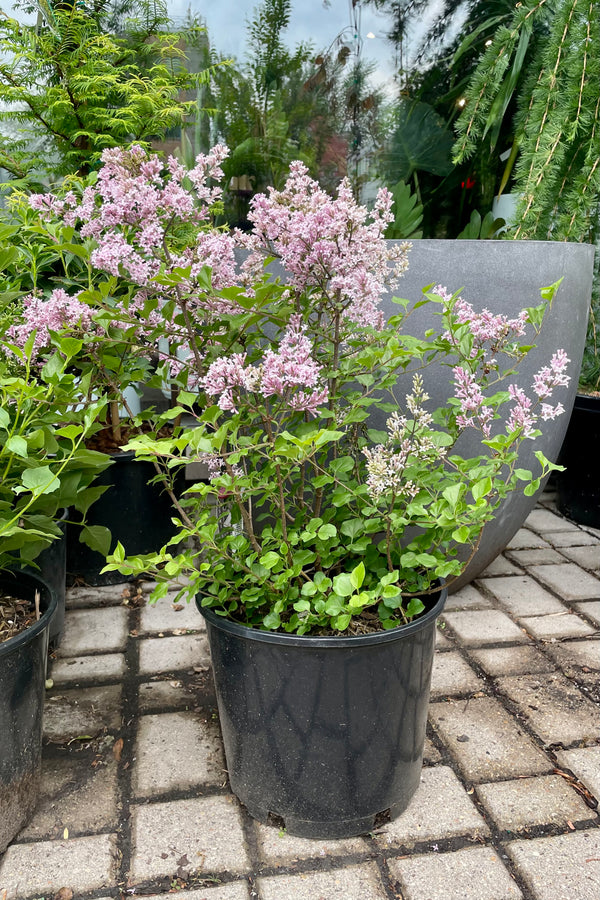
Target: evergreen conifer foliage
{"type": "Point", "coordinates": [69, 88]}
{"type": "Point", "coordinates": [547, 57]}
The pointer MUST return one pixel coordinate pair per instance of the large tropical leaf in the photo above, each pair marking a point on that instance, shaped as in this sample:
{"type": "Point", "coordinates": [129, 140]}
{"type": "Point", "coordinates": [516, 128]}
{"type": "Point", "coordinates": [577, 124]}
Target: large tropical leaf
{"type": "Point", "coordinates": [420, 143]}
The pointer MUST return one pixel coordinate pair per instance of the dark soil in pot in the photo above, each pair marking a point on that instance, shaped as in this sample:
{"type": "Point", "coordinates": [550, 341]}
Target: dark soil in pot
{"type": "Point", "coordinates": [325, 733]}
{"type": "Point", "coordinates": [22, 687]}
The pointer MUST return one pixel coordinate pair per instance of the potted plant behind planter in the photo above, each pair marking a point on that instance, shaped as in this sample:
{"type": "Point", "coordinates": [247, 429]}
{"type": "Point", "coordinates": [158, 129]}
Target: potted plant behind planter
{"type": "Point", "coordinates": [318, 549]}
{"type": "Point", "coordinates": [44, 466]}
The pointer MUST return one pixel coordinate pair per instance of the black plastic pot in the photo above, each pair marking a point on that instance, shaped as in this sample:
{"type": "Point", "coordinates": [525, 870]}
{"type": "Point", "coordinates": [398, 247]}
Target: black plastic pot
{"type": "Point", "coordinates": [324, 732]}
{"type": "Point", "coordinates": [22, 686]}
{"type": "Point", "coordinates": [52, 564]}
{"type": "Point", "coordinates": [578, 488]}
{"type": "Point", "coordinates": [138, 515]}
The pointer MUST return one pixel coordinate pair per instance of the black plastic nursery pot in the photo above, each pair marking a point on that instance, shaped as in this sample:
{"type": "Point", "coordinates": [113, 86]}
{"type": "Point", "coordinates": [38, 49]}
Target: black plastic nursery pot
{"type": "Point", "coordinates": [138, 515]}
{"type": "Point", "coordinates": [52, 563]}
{"type": "Point", "coordinates": [326, 733]}
{"type": "Point", "coordinates": [578, 487]}
{"type": "Point", "coordinates": [22, 686]}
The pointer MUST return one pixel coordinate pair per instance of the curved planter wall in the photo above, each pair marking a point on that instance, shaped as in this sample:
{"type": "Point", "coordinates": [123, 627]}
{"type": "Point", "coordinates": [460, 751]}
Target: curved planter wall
{"type": "Point", "coordinates": [505, 277]}
{"type": "Point", "coordinates": [22, 688]}
{"type": "Point", "coordinates": [325, 732]}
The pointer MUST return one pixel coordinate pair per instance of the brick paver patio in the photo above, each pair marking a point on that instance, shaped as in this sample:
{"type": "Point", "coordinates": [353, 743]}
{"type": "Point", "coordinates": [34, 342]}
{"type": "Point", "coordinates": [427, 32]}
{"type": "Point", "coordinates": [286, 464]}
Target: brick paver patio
{"type": "Point", "coordinates": [135, 797]}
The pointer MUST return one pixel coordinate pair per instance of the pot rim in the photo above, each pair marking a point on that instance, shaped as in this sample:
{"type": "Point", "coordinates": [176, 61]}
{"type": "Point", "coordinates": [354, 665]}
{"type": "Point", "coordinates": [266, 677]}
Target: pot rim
{"type": "Point", "coordinates": [45, 619]}
{"type": "Point", "coordinates": [245, 632]}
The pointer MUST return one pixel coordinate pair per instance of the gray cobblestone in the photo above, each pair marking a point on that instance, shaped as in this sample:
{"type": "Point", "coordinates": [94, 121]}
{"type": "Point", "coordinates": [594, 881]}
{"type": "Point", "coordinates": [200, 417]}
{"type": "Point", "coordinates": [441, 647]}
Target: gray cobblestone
{"type": "Point", "coordinates": [526, 539]}
{"type": "Point", "coordinates": [467, 598]}
{"type": "Point", "coordinates": [536, 557]}
{"type": "Point", "coordinates": [557, 711]}
{"type": "Point", "coordinates": [568, 580]}
{"type": "Point", "coordinates": [361, 882]}
{"type": "Point", "coordinates": [278, 848]}
{"type": "Point", "coordinates": [585, 765]}
{"type": "Point", "coordinates": [547, 522]}
{"type": "Point", "coordinates": [565, 867]}
{"type": "Point", "coordinates": [500, 566]}
{"type": "Point", "coordinates": [561, 625]}
{"type": "Point", "coordinates": [88, 630]}
{"type": "Point", "coordinates": [69, 714]}
{"type": "Point", "coordinates": [485, 740]}
{"type": "Point", "coordinates": [161, 695]}
{"type": "Point", "coordinates": [485, 626]}
{"type": "Point", "coordinates": [521, 804]}
{"type": "Point", "coordinates": [167, 616]}
{"type": "Point", "coordinates": [512, 660]}
{"type": "Point", "coordinates": [104, 667]}
{"type": "Point", "coordinates": [84, 864]}
{"type": "Point", "coordinates": [591, 609]}
{"type": "Point", "coordinates": [474, 873]}
{"type": "Point", "coordinates": [587, 557]}
{"type": "Point", "coordinates": [236, 890]}
{"type": "Point", "coordinates": [578, 659]}
{"type": "Point", "coordinates": [522, 596]}
{"type": "Point", "coordinates": [103, 595]}
{"type": "Point", "coordinates": [452, 675]}
{"type": "Point", "coordinates": [441, 808]}
{"type": "Point", "coordinates": [173, 654]}
{"type": "Point", "coordinates": [574, 538]}
{"type": "Point", "coordinates": [176, 751]}
{"type": "Point", "coordinates": [191, 836]}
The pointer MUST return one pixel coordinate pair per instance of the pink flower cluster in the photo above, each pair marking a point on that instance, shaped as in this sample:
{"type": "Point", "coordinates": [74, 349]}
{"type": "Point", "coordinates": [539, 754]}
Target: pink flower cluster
{"type": "Point", "coordinates": [291, 374]}
{"type": "Point", "coordinates": [522, 416]}
{"type": "Point", "coordinates": [327, 244]}
{"type": "Point", "coordinates": [42, 315]}
{"type": "Point", "coordinates": [136, 203]}
{"type": "Point", "coordinates": [495, 331]}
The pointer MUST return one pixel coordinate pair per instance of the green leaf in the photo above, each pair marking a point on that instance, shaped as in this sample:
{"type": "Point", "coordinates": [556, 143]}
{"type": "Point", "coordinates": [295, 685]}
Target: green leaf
{"type": "Point", "coordinates": [18, 445]}
{"type": "Point", "coordinates": [270, 560]}
{"type": "Point", "coordinates": [97, 537]}
{"type": "Point", "coordinates": [326, 531]}
{"type": "Point", "coordinates": [342, 585]}
{"type": "Point", "coordinates": [357, 576]}
{"type": "Point", "coordinates": [40, 480]}
{"type": "Point", "coordinates": [341, 622]}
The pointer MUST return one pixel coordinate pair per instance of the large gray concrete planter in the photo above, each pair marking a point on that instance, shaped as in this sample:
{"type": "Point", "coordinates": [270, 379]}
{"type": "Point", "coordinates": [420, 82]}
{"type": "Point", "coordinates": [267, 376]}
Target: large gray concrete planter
{"type": "Point", "coordinates": [505, 277]}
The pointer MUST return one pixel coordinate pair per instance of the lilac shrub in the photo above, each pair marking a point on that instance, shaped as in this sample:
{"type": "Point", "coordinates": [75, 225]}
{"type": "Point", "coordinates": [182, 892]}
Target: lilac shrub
{"type": "Point", "coordinates": [312, 520]}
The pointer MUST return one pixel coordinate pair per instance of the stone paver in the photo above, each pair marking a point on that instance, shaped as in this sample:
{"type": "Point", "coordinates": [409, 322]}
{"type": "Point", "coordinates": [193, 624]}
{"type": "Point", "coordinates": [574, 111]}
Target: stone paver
{"type": "Point", "coordinates": [176, 751]}
{"type": "Point", "coordinates": [103, 595]}
{"type": "Point", "coordinates": [578, 659]}
{"type": "Point", "coordinates": [500, 566]}
{"type": "Point", "coordinates": [588, 557]}
{"type": "Point", "coordinates": [90, 630]}
{"type": "Point", "coordinates": [361, 882]}
{"type": "Point", "coordinates": [71, 714]}
{"type": "Point", "coordinates": [441, 808]}
{"type": "Point", "coordinates": [522, 596]}
{"type": "Point", "coordinates": [173, 654]}
{"type": "Point", "coordinates": [521, 804]}
{"type": "Point", "coordinates": [485, 626]}
{"type": "Point", "coordinates": [193, 835]}
{"type": "Point", "coordinates": [105, 667]}
{"type": "Point", "coordinates": [38, 869]}
{"type": "Point", "coordinates": [236, 890]}
{"type": "Point", "coordinates": [591, 609]}
{"type": "Point", "coordinates": [574, 538]}
{"type": "Point", "coordinates": [544, 521]}
{"type": "Point", "coordinates": [442, 642]}
{"type": "Point", "coordinates": [167, 616]}
{"type": "Point", "coordinates": [557, 711]}
{"type": "Point", "coordinates": [467, 598]}
{"type": "Point", "coordinates": [585, 765]}
{"type": "Point", "coordinates": [485, 740]}
{"type": "Point", "coordinates": [162, 695]}
{"type": "Point", "coordinates": [278, 848]}
{"type": "Point", "coordinates": [541, 556]}
{"type": "Point", "coordinates": [526, 539]}
{"type": "Point", "coordinates": [565, 867]}
{"type": "Point", "coordinates": [474, 873]}
{"type": "Point", "coordinates": [568, 580]}
{"type": "Point", "coordinates": [511, 660]}
{"type": "Point", "coordinates": [78, 792]}
{"type": "Point", "coordinates": [556, 625]}
{"type": "Point", "coordinates": [452, 675]}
